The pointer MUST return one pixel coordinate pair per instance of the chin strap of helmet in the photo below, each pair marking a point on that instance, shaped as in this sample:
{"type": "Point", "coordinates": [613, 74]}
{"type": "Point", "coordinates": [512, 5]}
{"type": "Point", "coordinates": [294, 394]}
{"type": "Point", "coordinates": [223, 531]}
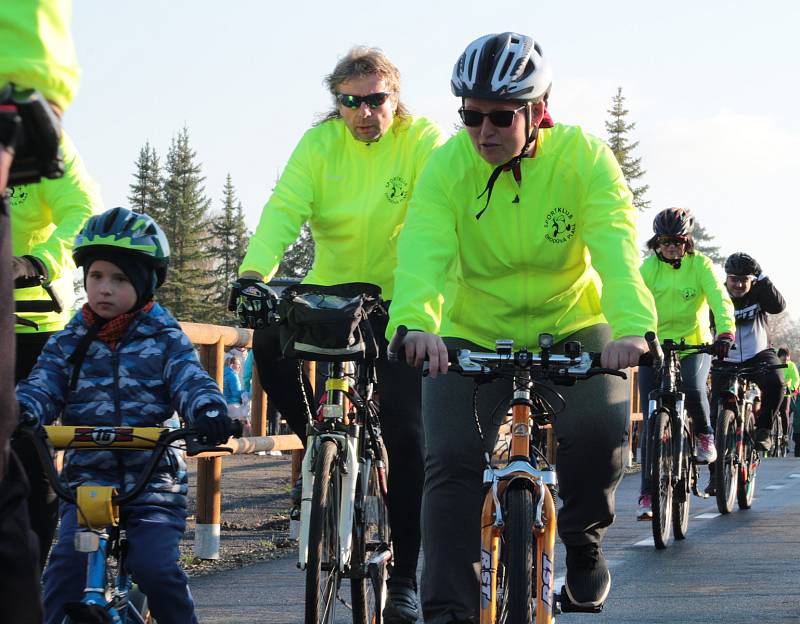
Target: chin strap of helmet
{"type": "Point", "coordinates": [676, 264]}
{"type": "Point", "coordinates": [514, 163]}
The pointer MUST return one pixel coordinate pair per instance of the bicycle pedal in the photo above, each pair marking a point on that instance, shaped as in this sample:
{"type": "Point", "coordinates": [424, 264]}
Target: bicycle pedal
{"type": "Point", "coordinates": [567, 606]}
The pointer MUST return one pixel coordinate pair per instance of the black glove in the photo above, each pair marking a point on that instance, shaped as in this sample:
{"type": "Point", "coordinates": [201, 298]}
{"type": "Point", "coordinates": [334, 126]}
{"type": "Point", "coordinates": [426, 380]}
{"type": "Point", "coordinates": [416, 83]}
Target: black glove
{"type": "Point", "coordinates": [722, 346]}
{"type": "Point", "coordinates": [254, 302]}
{"type": "Point", "coordinates": [215, 425]}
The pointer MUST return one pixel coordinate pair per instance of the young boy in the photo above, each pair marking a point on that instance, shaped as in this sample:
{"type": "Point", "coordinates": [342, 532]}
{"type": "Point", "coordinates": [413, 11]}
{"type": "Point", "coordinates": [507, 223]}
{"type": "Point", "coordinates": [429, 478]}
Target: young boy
{"type": "Point", "coordinates": [124, 361]}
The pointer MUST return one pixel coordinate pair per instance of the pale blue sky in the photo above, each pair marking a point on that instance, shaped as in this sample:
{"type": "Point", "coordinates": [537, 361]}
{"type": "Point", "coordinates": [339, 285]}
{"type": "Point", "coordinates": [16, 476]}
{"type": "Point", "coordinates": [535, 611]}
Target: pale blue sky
{"type": "Point", "coordinates": [712, 86]}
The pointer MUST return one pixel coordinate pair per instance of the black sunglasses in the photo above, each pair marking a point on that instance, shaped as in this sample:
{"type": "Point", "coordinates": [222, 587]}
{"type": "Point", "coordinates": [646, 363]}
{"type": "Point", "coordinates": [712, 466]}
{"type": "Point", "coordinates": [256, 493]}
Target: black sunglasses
{"type": "Point", "coordinates": [373, 100]}
{"type": "Point", "coordinates": [498, 118]}
{"type": "Point", "coordinates": [671, 240]}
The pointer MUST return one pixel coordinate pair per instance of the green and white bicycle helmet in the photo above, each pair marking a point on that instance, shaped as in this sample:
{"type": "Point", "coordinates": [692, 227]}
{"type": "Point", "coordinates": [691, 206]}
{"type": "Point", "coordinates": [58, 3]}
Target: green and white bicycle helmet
{"type": "Point", "coordinates": [120, 230]}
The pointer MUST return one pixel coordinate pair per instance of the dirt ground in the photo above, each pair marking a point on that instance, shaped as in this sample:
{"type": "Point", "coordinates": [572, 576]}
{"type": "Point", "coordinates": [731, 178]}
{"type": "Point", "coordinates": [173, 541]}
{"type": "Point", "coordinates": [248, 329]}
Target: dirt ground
{"type": "Point", "coordinates": [255, 513]}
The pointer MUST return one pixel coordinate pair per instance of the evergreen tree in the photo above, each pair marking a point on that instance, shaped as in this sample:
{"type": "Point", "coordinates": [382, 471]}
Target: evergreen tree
{"type": "Point", "coordinates": [189, 288]}
{"type": "Point", "coordinates": [228, 244]}
{"type": "Point", "coordinates": [147, 190]}
{"type": "Point", "coordinates": [618, 141]}
{"type": "Point", "coordinates": [703, 242]}
{"type": "Point", "coordinates": [299, 256]}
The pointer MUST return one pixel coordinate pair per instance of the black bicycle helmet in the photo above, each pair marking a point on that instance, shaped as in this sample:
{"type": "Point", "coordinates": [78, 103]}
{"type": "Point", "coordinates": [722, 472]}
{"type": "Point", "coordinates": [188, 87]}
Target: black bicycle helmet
{"type": "Point", "coordinates": [741, 263]}
{"type": "Point", "coordinates": [506, 66]}
{"type": "Point", "coordinates": [674, 222]}
{"type": "Point", "coordinates": [120, 230]}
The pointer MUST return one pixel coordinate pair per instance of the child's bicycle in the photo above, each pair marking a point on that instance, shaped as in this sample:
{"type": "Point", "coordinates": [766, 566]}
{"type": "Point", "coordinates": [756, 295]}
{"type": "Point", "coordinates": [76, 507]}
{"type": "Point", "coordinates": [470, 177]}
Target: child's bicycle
{"type": "Point", "coordinates": [101, 528]}
{"type": "Point", "coordinates": [518, 518]}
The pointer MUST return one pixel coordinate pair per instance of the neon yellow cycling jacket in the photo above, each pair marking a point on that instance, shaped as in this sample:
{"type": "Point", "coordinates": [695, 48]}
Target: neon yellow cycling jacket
{"type": "Point", "coordinates": [354, 196]}
{"type": "Point", "coordinates": [45, 219]}
{"type": "Point", "coordinates": [534, 261]}
{"type": "Point", "coordinates": [37, 50]}
{"type": "Point", "coordinates": [791, 376]}
{"type": "Point", "coordinates": [683, 297]}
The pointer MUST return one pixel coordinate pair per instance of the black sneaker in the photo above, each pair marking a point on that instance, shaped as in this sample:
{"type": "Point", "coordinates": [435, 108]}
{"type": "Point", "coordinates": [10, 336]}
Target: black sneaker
{"type": "Point", "coordinates": [711, 489]}
{"type": "Point", "coordinates": [401, 602]}
{"type": "Point", "coordinates": [763, 439]}
{"type": "Point", "coordinates": [588, 579]}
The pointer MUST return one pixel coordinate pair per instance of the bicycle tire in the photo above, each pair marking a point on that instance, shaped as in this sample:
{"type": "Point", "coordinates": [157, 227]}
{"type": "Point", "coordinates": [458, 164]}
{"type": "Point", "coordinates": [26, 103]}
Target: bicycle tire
{"type": "Point", "coordinates": [362, 592]}
{"type": "Point", "coordinates": [726, 470]}
{"type": "Point", "coordinates": [518, 582]}
{"type": "Point", "coordinates": [682, 492]}
{"type": "Point", "coordinates": [661, 488]}
{"type": "Point", "coordinates": [775, 437]}
{"type": "Point", "coordinates": [746, 487]}
{"type": "Point", "coordinates": [322, 571]}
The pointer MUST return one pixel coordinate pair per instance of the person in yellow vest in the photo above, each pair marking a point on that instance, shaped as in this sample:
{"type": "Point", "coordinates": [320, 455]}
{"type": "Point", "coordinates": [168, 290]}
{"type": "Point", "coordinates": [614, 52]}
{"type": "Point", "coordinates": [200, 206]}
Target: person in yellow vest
{"type": "Point", "coordinates": [536, 214]}
{"type": "Point", "coordinates": [351, 177]}
{"type": "Point", "coordinates": [37, 54]}
{"type": "Point", "coordinates": [792, 379]}
{"type": "Point", "coordinates": [684, 287]}
{"type": "Point", "coordinates": [46, 217]}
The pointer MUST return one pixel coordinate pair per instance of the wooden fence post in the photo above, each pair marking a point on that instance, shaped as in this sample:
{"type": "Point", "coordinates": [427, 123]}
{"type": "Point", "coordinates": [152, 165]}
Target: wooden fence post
{"type": "Point", "coordinates": [258, 407]}
{"type": "Point", "coordinates": [209, 471]}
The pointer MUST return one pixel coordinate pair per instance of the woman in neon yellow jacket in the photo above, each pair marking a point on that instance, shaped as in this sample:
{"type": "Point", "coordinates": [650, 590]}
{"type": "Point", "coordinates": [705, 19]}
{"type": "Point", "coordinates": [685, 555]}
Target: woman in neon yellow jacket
{"type": "Point", "coordinates": [542, 225]}
{"type": "Point", "coordinates": [684, 287]}
{"type": "Point", "coordinates": [351, 177]}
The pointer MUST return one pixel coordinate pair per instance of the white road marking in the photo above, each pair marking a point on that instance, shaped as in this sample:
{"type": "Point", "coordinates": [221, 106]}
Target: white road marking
{"type": "Point", "coordinates": [707, 516]}
{"type": "Point", "coordinates": [774, 487]}
{"type": "Point", "coordinates": [794, 476]}
{"type": "Point", "coordinates": [646, 542]}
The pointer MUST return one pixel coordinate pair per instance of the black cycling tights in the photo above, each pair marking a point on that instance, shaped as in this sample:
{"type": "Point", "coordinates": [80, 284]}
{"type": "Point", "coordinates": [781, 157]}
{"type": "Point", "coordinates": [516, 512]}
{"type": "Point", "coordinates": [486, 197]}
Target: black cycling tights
{"type": "Point", "coordinates": [399, 388]}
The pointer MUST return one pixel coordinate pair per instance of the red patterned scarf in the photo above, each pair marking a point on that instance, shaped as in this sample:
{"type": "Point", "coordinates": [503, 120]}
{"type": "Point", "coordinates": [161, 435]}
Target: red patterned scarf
{"type": "Point", "coordinates": [112, 330]}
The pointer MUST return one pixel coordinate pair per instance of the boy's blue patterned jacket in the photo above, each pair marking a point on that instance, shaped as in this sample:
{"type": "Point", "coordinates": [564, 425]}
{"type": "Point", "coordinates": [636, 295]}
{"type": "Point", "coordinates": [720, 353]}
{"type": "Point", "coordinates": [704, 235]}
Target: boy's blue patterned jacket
{"type": "Point", "coordinates": [152, 372]}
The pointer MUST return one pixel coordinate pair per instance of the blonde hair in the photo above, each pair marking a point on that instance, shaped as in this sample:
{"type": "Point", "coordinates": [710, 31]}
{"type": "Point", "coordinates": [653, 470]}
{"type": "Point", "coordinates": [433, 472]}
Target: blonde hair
{"type": "Point", "coordinates": [359, 62]}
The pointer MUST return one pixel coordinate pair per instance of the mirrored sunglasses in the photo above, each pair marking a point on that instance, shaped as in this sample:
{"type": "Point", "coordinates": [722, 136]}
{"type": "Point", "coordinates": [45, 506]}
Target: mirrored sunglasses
{"type": "Point", "coordinates": [664, 241]}
{"type": "Point", "coordinates": [373, 100]}
{"type": "Point", "coordinates": [498, 118]}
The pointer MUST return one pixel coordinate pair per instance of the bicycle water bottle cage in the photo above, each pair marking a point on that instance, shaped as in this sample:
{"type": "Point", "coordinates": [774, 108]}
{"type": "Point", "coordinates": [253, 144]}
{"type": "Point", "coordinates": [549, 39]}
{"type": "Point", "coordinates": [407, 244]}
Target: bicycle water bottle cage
{"type": "Point", "coordinates": [504, 347]}
{"type": "Point", "coordinates": [96, 508]}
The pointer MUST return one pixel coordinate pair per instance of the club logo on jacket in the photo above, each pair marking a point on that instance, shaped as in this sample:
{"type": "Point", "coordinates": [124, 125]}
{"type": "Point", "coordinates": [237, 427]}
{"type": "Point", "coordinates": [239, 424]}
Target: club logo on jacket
{"type": "Point", "coordinates": [559, 225]}
{"type": "Point", "coordinates": [18, 195]}
{"type": "Point", "coordinates": [689, 294]}
{"type": "Point", "coordinates": [396, 190]}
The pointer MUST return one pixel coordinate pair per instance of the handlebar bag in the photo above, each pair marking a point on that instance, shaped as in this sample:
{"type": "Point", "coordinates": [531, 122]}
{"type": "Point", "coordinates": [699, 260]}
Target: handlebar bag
{"type": "Point", "coordinates": [329, 323]}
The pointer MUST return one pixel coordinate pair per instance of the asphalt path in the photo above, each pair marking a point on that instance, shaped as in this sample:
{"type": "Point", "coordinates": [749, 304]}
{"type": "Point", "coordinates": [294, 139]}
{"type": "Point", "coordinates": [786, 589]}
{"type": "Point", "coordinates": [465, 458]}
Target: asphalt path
{"type": "Point", "coordinates": [739, 568]}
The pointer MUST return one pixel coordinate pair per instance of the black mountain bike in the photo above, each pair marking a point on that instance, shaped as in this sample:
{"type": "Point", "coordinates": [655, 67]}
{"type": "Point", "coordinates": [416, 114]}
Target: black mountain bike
{"type": "Point", "coordinates": [737, 458]}
{"type": "Point", "coordinates": [670, 447]}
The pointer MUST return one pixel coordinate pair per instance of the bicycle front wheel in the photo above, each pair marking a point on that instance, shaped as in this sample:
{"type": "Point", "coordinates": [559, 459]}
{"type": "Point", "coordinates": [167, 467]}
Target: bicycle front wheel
{"type": "Point", "coordinates": [515, 588]}
{"type": "Point", "coordinates": [138, 601]}
{"type": "Point", "coordinates": [322, 569]}
{"type": "Point", "coordinates": [682, 493]}
{"type": "Point", "coordinates": [726, 468]}
{"type": "Point", "coordinates": [371, 536]}
{"type": "Point", "coordinates": [661, 445]}
{"type": "Point", "coordinates": [747, 478]}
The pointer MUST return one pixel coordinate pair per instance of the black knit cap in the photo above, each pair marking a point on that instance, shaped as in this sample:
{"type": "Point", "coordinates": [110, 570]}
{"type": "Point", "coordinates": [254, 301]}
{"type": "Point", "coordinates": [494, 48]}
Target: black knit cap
{"type": "Point", "coordinates": [141, 274]}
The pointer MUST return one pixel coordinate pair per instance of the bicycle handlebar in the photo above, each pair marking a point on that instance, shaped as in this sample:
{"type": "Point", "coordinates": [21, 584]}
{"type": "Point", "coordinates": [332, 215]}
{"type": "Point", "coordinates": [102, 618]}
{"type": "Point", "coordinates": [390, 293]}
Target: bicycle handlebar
{"type": "Point", "coordinates": [100, 438]}
{"type": "Point", "coordinates": [581, 365]}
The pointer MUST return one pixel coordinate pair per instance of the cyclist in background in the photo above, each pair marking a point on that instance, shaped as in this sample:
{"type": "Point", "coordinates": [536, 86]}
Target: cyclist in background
{"type": "Point", "coordinates": [124, 361]}
{"type": "Point", "coordinates": [36, 53]}
{"type": "Point", "coordinates": [791, 378]}
{"type": "Point", "coordinates": [351, 177]}
{"type": "Point", "coordinates": [684, 287]}
{"type": "Point", "coordinates": [46, 219]}
{"type": "Point", "coordinates": [754, 298]}
{"type": "Point", "coordinates": [536, 214]}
